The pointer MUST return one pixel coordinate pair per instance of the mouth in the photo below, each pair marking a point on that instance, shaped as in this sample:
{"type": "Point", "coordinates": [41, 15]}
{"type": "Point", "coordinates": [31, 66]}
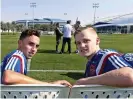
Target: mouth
{"type": "Point", "coordinates": [84, 50]}
{"type": "Point", "coordinates": [31, 54]}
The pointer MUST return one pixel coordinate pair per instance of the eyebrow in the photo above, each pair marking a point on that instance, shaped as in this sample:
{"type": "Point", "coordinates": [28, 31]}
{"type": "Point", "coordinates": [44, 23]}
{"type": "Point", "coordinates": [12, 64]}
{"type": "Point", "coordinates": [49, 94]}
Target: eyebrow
{"type": "Point", "coordinates": [37, 45]}
{"type": "Point", "coordinates": [86, 39]}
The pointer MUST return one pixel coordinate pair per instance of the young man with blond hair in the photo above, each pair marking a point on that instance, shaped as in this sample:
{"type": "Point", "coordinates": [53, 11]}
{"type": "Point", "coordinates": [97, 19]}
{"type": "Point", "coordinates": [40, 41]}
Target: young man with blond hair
{"type": "Point", "coordinates": [104, 66]}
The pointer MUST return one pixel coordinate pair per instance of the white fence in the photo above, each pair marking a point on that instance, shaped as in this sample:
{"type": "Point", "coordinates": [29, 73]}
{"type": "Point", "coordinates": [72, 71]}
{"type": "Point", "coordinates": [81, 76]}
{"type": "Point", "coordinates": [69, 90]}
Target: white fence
{"type": "Point", "coordinates": [47, 32]}
{"type": "Point", "coordinates": [101, 92]}
{"type": "Point", "coordinates": [34, 91]}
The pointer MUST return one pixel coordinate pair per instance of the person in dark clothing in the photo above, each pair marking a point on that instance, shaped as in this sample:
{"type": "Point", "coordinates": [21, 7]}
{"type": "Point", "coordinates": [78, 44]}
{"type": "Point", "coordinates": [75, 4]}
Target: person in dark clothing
{"type": "Point", "coordinates": [58, 36]}
{"type": "Point", "coordinates": [76, 27]}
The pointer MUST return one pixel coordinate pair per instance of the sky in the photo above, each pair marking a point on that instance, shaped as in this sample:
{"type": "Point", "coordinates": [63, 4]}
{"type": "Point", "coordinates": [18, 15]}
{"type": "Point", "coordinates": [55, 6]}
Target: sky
{"type": "Point", "coordinates": [12, 10]}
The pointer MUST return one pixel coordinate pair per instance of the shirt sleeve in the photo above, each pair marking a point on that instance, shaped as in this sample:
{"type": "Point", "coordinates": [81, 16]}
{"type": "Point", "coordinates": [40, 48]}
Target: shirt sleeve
{"type": "Point", "coordinates": [113, 61]}
{"type": "Point", "coordinates": [117, 61]}
{"type": "Point", "coordinates": [15, 63]}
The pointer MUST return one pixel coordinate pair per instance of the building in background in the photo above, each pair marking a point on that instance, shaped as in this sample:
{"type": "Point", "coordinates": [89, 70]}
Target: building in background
{"type": "Point", "coordinates": [49, 21]}
{"type": "Point", "coordinates": [115, 25]}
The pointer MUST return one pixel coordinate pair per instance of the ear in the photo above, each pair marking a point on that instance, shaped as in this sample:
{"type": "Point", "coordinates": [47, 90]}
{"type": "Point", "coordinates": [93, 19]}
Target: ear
{"type": "Point", "coordinates": [97, 41]}
{"type": "Point", "coordinates": [19, 43]}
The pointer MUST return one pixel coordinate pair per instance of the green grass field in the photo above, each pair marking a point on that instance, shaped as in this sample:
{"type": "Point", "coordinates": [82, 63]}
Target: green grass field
{"type": "Point", "coordinates": [47, 59]}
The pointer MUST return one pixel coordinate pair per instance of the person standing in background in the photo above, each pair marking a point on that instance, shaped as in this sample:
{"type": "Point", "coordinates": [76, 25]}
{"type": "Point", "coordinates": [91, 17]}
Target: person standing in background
{"type": "Point", "coordinates": [76, 27]}
{"type": "Point", "coordinates": [58, 36]}
{"type": "Point", "coordinates": [67, 34]}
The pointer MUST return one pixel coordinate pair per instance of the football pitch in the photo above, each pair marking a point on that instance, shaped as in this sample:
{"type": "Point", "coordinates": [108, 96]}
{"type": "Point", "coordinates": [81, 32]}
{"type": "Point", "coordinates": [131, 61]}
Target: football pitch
{"type": "Point", "coordinates": [47, 59]}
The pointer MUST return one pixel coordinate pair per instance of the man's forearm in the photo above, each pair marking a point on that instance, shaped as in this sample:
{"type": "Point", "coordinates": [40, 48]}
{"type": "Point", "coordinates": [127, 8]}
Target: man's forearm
{"type": "Point", "coordinates": [121, 78]}
{"type": "Point", "coordinates": [10, 77]}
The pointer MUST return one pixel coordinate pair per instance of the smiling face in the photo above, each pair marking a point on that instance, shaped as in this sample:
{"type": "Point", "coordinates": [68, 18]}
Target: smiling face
{"type": "Point", "coordinates": [87, 42]}
{"type": "Point", "coordinates": [29, 45]}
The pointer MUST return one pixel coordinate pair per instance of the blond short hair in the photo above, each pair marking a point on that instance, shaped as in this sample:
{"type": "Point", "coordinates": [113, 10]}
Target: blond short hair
{"type": "Point", "coordinates": [80, 29]}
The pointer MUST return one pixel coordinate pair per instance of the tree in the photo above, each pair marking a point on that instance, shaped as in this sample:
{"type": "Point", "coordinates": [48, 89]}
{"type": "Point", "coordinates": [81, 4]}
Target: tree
{"type": "Point", "coordinates": [4, 26]}
{"type": "Point", "coordinates": [8, 26]}
{"type": "Point", "coordinates": [19, 27]}
{"type": "Point", "coordinates": [44, 27]}
{"type": "Point", "coordinates": [13, 26]}
{"type": "Point", "coordinates": [37, 26]}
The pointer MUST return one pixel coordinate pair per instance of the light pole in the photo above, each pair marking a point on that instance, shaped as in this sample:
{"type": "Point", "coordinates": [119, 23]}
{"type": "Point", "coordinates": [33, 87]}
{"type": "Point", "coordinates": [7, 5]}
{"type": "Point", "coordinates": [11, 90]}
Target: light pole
{"type": "Point", "coordinates": [33, 5]}
{"type": "Point", "coordinates": [65, 14]}
{"type": "Point", "coordinates": [26, 21]}
{"type": "Point", "coordinates": [95, 5]}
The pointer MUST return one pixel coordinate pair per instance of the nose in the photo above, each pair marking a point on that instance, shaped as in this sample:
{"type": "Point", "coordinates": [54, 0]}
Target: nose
{"type": "Point", "coordinates": [34, 49]}
{"type": "Point", "coordinates": [82, 45]}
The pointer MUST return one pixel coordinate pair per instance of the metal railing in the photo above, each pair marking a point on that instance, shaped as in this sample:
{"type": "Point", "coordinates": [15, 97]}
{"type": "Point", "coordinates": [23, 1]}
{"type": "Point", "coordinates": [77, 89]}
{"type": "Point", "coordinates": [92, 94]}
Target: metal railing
{"type": "Point", "coordinates": [37, 91]}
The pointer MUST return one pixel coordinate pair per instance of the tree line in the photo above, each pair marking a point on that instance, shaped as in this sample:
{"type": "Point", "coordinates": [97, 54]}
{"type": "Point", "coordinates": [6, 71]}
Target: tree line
{"type": "Point", "coordinates": [17, 27]}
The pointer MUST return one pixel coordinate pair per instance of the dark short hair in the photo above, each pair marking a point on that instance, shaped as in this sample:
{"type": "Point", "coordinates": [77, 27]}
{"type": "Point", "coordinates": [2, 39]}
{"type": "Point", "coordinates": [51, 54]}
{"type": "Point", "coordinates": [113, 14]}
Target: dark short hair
{"type": "Point", "coordinates": [29, 32]}
{"type": "Point", "coordinates": [57, 24]}
{"type": "Point", "coordinates": [68, 21]}
{"type": "Point", "coordinates": [78, 22]}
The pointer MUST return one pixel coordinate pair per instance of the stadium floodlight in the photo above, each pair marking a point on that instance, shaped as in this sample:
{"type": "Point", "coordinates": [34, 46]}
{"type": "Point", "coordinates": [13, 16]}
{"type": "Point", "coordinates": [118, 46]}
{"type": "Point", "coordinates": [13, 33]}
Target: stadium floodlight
{"type": "Point", "coordinates": [95, 5]}
{"type": "Point", "coordinates": [65, 13]}
{"type": "Point", "coordinates": [33, 5]}
{"type": "Point", "coordinates": [26, 25]}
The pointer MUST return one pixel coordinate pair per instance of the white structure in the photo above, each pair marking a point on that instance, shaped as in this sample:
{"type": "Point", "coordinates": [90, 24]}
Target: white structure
{"type": "Point", "coordinates": [40, 91]}
{"type": "Point", "coordinates": [41, 21]}
{"type": "Point", "coordinates": [120, 24]}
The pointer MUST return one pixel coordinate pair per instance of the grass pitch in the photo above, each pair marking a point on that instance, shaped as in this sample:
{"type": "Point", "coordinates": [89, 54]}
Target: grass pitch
{"type": "Point", "coordinates": [47, 59]}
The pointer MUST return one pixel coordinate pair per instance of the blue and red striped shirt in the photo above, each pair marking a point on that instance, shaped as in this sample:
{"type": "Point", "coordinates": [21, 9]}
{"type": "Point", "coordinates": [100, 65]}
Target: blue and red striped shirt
{"type": "Point", "coordinates": [15, 61]}
{"type": "Point", "coordinates": [107, 60]}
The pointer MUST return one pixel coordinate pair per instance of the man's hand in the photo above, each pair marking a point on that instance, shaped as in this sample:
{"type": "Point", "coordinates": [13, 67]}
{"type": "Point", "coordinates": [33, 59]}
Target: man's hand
{"type": "Point", "coordinates": [62, 82]}
{"type": "Point", "coordinates": [81, 81]}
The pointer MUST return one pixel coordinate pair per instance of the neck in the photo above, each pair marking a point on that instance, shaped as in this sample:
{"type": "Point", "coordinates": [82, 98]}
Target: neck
{"type": "Point", "coordinates": [19, 49]}
{"type": "Point", "coordinates": [90, 56]}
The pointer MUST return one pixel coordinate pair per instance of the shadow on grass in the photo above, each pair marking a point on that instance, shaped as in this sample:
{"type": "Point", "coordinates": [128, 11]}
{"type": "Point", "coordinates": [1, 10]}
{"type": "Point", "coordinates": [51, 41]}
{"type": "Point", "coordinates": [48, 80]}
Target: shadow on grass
{"type": "Point", "coordinates": [74, 75]}
{"type": "Point", "coordinates": [50, 51]}
{"type": "Point", "coordinates": [45, 51]}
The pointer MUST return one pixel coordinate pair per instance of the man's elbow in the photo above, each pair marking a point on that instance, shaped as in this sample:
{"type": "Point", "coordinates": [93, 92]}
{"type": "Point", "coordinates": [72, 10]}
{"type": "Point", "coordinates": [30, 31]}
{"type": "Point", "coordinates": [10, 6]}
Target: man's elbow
{"type": "Point", "coordinates": [130, 79]}
{"type": "Point", "coordinates": [6, 78]}
{"type": "Point", "coordinates": [5, 81]}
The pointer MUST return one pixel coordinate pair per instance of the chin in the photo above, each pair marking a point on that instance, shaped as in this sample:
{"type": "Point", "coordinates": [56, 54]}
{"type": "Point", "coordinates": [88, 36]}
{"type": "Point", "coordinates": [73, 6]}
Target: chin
{"type": "Point", "coordinates": [29, 57]}
{"type": "Point", "coordinates": [83, 54]}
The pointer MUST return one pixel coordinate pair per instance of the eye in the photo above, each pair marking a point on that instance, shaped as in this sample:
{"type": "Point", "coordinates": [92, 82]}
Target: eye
{"type": "Point", "coordinates": [37, 46]}
{"type": "Point", "coordinates": [78, 43]}
{"type": "Point", "coordinates": [86, 40]}
{"type": "Point", "coordinates": [31, 43]}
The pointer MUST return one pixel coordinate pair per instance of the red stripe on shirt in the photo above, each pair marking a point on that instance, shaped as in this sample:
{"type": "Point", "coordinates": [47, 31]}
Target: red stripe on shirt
{"type": "Point", "coordinates": [21, 63]}
{"type": "Point", "coordinates": [104, 62]}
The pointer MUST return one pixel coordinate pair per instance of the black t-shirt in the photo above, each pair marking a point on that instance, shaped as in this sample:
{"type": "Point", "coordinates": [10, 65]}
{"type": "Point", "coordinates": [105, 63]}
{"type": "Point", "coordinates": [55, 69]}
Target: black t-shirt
{"type": "Point", "coordinates": [57, 32]}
